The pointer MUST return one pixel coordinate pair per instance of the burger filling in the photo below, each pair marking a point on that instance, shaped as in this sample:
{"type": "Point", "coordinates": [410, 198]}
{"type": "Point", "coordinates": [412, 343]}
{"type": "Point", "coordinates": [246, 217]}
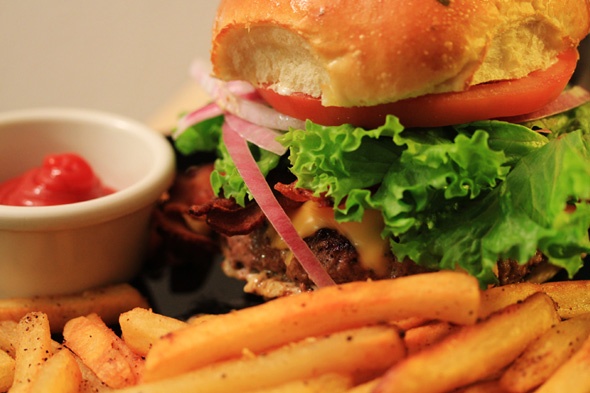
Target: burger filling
{"type": "Point", "coordinates": [489, 197]}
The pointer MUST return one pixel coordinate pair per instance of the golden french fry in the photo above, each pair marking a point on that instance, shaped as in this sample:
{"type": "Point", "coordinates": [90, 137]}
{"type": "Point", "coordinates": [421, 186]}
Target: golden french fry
{"type": "Point", "coordinates": [491, 386]}
{"type": "Point", "coordinates": [102, 351]}
{"type": "Point", "coordinates": [474, 352]}
{"type": "Point", "coordinates": [108, 302]}
{"type": "Point", "coordinates": [545, 355]}
{"type": "Point", "coordinates": [8, 337]}
{"type": "Point", "coordinates": [90, 382]}
{"type": "Point", "coordinates": [361, 353]}
{"type": "Point", "coordinates": [6, 371]}
{"type": "Point", "coordinates": [366, 387]}
{"type": "Point", "coordinates": [327, 383]}
{"type": "Point", "coordinates": [450, 296]}
{"type": "Point", "coordinates": [422, 337]}
{"type": "Point", "coordinates": [34, 346]}
{"type": "Point", "coordinates": [572, 297]}
{"type": "Point", "coordinates": [141, 327]}
{"type": "Point", "coordinates": [573, 375]}
{"type": "Point", "coordinates": [59, 374]}
{"type": "Point", "coordinates": [497, 298]}
{"type": "Point", "coordinates": [410, 323]}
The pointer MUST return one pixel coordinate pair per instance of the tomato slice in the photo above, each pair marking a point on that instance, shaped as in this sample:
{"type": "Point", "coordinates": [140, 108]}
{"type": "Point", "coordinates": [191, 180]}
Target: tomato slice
{"type": "Point", "coordinates": [485, 101]}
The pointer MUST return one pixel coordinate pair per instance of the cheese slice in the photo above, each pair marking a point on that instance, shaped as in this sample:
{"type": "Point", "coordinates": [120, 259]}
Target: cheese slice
{"type": "Point", "coordinates": [365, 236]}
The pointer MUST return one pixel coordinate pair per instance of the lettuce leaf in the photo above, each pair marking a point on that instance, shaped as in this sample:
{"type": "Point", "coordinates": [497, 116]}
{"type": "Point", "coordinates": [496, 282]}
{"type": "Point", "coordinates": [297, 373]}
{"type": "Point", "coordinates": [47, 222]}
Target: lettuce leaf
{"type": "Point", "coordinates": [226, 180]}
{"type": "Point", "coordinates": [462, 196]}
{"type": "Point", "coordinates": [201, 137]}
{"type": "Point", "coordinates": [341, 161]}
{"type": "Point", "coordinates": [525, 214]}
{"type": "Point", "coordinates": [559, 124]}
{"type": "Point", "coordinates": [206, 136]}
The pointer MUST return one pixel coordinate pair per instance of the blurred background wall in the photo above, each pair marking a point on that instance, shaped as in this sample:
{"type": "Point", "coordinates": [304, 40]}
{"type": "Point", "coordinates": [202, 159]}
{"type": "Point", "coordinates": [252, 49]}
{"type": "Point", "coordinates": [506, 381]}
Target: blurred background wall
{"type": "Point", "coordinates": [124, 56]}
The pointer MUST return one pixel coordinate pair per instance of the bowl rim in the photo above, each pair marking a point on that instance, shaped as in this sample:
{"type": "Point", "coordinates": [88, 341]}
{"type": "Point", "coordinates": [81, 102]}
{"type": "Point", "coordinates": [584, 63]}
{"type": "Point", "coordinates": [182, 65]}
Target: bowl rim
{"type": "Point", "coordinates": [123, 202]}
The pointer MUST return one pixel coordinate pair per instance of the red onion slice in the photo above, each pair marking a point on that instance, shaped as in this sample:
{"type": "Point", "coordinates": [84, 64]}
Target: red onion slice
{"type": "Point", "coordinates": [256, 183]}
{"type": "Point", "coordinates": [258, 113]}
{"type": "Point", "coordinates": [260, 136]}
{"type": "Point", "coordinates": [240, 98]}
{"type": "Point", "coordinates": [568, 99]}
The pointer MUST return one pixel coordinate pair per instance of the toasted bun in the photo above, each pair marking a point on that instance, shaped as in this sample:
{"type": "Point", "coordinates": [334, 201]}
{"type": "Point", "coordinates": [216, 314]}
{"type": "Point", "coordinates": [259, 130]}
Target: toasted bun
{"type": "Point", "coordinates": [361, 53]}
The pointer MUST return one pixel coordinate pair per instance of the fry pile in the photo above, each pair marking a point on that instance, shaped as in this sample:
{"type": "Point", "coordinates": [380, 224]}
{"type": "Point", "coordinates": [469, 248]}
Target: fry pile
{"type": "Point", "coordinates": [435, 332]}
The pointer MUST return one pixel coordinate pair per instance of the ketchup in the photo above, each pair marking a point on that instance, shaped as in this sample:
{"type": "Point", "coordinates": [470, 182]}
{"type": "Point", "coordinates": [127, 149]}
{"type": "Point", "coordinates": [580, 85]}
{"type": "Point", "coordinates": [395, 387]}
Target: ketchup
{"type": "Point", "coordinates": [62, 179]}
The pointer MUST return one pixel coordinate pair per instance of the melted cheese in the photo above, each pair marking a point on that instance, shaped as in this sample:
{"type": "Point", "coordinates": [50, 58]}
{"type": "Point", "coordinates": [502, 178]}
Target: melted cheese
{"type": "Point", "coordinates": [365, 236]}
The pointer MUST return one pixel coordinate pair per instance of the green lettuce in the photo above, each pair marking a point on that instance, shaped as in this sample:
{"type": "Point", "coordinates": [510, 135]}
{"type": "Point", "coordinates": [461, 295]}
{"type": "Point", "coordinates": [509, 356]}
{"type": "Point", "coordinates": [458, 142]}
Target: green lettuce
{"type": "Point", "coordinates": [524, 214]}
{"type": "Point", "coordinates": [462, 196]}
{"type": "Point", "coordinates": [201, 137]}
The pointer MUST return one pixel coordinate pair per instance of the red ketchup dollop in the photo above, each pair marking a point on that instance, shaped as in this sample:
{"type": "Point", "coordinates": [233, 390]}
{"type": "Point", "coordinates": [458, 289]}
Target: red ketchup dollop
{"type": "Point", "coordinates": [61, 179]}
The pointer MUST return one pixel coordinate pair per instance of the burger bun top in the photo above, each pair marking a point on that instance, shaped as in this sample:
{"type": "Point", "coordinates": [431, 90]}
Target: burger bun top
{"type": "Point", "coordinates": [364, 53]}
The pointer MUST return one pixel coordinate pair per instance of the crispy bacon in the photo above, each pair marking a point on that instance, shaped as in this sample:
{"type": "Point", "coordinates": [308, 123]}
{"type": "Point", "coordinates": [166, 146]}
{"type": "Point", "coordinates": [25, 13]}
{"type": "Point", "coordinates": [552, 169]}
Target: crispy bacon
{"type": "Point", "coordinates": [173, 226]}
{"type": "Point", "coordinates": [293, 193]}
{"type": "Point", "coordinates": [227, 217]}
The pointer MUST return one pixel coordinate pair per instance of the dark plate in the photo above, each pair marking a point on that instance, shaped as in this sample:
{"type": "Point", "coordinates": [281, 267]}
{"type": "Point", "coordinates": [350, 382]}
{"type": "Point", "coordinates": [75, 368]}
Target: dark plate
{"type": "Point", "coordinates": [185, 290]}
{"type": "Point", "coordinates": [199, 286]}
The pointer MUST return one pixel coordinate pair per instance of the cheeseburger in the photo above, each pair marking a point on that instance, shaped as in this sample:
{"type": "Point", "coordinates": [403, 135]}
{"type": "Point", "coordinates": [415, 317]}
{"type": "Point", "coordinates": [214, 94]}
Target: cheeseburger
{"type": "Point", "coordinates": [359, 140]}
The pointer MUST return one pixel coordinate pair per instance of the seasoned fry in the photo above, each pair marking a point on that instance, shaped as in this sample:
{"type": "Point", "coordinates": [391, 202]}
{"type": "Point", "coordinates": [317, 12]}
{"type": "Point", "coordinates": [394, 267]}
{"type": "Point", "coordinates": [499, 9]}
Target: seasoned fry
{"type": "Point", "coordinates": [33, 348]}
{"type": "Point", "coordinates": [421, 337]}
{"type": "Point", "coordinates": [332, 383]}
{"type": "Point", "coordinates": [361, 353]}
{"type": "Point", "coordinates": [571, 297]}
{"type": "Point", "coordinates": [107, 302]}
{"type": "Point", "coordinates": [6, 371]}
{"type": "Point", "coordinates": [60, 374]}
{"type": "Point", "coordinates": [497, 298]}
{"type": "Point", "coordinates": [474, 352]}
{"type": "Point", "coordinates": [196, 319]}
{"type": "Point", "coordinates": [90, 382]}
{"type": "Point", "coordinates": [573, 375]}
{"type": "Point", "coordinates": [141, 327]}
{"type": "Point", "coordinates": [491, 386]}
{"type": "Point", "coordinates": [449, 296]}
{"type": "Point", "coordinates": [547, 354]}
{"type": "Point", "coordinates": [366, 387]}
{"type": "Point", "coordinates": [410, 323]}
{"type": "Point", "coordinates": [8, 337]}
{"type": "Point", "coordinates": [103, 351]}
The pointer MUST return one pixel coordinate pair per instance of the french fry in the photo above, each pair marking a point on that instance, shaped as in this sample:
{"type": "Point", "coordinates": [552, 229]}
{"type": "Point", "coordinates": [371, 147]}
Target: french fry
{"type": "Point", "coordinates": [332, 383]}
{"type": "Point", "coordinates": [571, 297]}
{"type": "Point", "coordinates": [8, 337]}
{"type": "Point", "coordinates": [141, 327]}
{"type": "Point", "coordinates": [200, 318]}
{"type": "Point", "coordinates": [90, 382]}
{"type": "Point", "coordinates": [497, 298]}
{"type": "Point", "coordinates": [108, 302]}
{"type": "Point", "coordinates": [449, 296]}
{"type": "Point", "coordinates": [422, 337]}
{"type": "Point", "coordinates": [474, 352]}
{"type": "Point", "coordinates": [34, 346]}
{"type": "Point", "coordinates": [545, 355]}
{"type": "Point", "coordinates": [410, 323]}
{"type": "Point", "coordinates": [366, 387]}
{"type": "Point", "coordinates": [491, 386]}
{"type": "Point", "coordinates": [361, 353]}
{"type": "Point", "coordinates": [572, 376]}
{"type": "Point", "coordinates": [6, 371]}
{"type": "Point", "coordinates": [59, 374]}
{"type": "Point", "coordinates": [103, 351]}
